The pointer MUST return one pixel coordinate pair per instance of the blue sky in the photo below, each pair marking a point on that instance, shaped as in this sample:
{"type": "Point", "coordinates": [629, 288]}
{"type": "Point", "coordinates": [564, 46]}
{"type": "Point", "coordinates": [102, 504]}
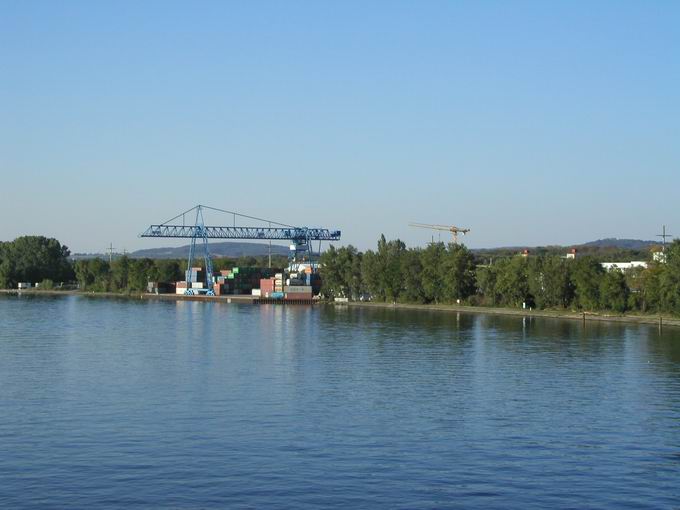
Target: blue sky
{"type": "Point", "coordinates": [529, 122]}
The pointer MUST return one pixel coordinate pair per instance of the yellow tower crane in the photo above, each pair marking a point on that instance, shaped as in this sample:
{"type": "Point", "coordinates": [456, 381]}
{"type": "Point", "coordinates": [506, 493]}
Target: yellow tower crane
{"type": "Point", "coordinates": [449, 228]}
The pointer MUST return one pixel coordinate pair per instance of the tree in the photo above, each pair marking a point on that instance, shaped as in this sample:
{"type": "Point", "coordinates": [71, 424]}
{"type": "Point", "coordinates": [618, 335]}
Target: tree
{"type": "Point", "coordinates": [120, 273]}
{"type": "Point", "coordinates": [167, 271]}
{"type": "Point", "coordinates": [512, 284]}
{"type": "Point", "coordinates": [93, 274]}
{"type": "Point", "coordinates": [670, 279]}
{"type": "Point", "coordinates": [412, 271]}
{"type": "Point", "coordinates": [586, 276]}
{"type": "Point", "coordinates": [648, 284]}
{"type": "Point", "coordinates": [341, 272]}
{"type": "Point", "coordinates": [487, 283]}
{"type": "Point", "coordinates": [34, 259]}
{"type": "Point", "coordinates": [140, 273]}
{"type": "Point", "coordinates": [614, 291]}
{"type": "Point", "coordinates": [432, 275]}
{"type": "Point", "coordinates": [459, 272]}
{"type": "Point", "coordinates": [371, 277]}
{"type": "Point", "coordinates": [389, 266]}
{"type": "Point", "coordinates": [549, 282]}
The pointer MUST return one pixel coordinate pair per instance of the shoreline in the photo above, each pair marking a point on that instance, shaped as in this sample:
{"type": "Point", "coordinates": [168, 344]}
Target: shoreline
{"type": "Point", "coordinates": [654, 320]}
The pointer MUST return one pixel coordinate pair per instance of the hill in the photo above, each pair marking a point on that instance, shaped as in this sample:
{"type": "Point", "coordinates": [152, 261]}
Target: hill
{"type": "Point", "coordinates": [605, 250]}
{"type": "Point", "coordinates": [624, 244]}
{"type": "Point", "coordinates": [231, 249]}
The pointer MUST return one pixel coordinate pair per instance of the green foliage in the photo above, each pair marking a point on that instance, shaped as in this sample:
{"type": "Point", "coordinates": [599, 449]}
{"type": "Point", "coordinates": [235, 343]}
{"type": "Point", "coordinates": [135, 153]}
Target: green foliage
{"type": "Point", "coordinates": [34, 259]}
{"type": "Point", "coordinates": [549, 281]}
{"type": "Point", "coordinates": [458, 269]}
{"type": "Point", "coordinates": [587, 274]}
{"type": "Point", "coordinates": [445, 274]}
{"type": "Point", "coordinates": [669, 279]}
{"type": "Point", "coordinates": [371, 277]}
{"type": "Point", "coordinates": [487, 284]}
{"type": "Point", "coordinates": [512, 283]}
{"type": "Point", "coordinates": [614, 291]}
{"type": "Point", "coordinates": [412, 271]}
{"type": "Point", "coordinates": [341, 272]}
{"type": "Point", "coordinates": [432, 274]}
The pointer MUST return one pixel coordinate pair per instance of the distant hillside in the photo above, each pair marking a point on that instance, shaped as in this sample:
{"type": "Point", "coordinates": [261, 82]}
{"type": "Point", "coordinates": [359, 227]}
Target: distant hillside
{"type": "Point", "coordinates": [625, 244]}
{"type": "Point", "coordinates": [231, 249]}
{"type": "Point", "coordinates": [605, 250]}
{"type": "Point", "coordinates": [225, 249]}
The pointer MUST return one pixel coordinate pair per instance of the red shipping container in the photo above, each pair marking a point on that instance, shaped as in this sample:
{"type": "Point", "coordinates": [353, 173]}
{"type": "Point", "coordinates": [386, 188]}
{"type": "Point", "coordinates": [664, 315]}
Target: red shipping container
{"type": "Point", "coordinates": [267, 285]}
{"type": "Point", "coordinates": [298, 295]}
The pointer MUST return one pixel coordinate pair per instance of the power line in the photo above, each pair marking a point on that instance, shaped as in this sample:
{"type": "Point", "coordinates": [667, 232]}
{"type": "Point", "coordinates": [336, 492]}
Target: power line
{"type": "Point", "coordinates": [663, 236]}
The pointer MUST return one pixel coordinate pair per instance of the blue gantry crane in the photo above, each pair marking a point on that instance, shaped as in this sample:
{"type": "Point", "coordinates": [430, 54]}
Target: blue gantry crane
{"type": "Point", "coordinates": [300, 237]}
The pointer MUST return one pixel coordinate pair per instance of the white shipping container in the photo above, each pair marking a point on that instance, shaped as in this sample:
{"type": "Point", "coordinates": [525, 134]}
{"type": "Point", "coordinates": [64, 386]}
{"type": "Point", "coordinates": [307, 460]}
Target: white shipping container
{"type": "Point", "coordinates": [257, 292]}
{"type": "Point", "coordinates": [196, 285]}
{"type": "Point", "coordinates": [180, 290]}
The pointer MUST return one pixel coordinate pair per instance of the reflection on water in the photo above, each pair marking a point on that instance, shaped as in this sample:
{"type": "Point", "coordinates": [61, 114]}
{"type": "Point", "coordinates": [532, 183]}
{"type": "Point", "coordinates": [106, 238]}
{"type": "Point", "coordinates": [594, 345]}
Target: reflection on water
{"type": "Point", "coordinates": [112, 403]}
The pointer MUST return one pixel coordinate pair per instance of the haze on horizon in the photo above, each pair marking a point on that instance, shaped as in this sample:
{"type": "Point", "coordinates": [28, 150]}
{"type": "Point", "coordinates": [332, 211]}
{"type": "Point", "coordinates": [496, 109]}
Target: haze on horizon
{"type": "Point", "coordinates": [532, 123]}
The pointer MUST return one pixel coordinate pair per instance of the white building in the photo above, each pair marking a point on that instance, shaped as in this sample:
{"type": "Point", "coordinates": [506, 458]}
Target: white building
{"type": "Point", "coordinates": [623, 266]}
{"type": "Point", "coordinates": [659, 256]}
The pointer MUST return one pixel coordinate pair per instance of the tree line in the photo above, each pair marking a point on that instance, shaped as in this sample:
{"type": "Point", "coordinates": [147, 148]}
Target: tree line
{"type": "Point", "coordinates": [38, 259]}
{"type": "Point", "coordinates": [441, 274]}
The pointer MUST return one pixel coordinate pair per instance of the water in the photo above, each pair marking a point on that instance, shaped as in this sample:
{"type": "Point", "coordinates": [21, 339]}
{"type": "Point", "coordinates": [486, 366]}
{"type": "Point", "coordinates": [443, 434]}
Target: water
{"type": "Point", "coordinates": [122, 403]}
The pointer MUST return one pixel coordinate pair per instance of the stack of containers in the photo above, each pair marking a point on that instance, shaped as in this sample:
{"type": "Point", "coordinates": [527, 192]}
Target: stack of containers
{"type": "Point", "coordinates": [278, 282]}
{"type": "Point", "coordinates": [218, 288]}
{"type": "Point", "coordinates": [266, 287]}
{"type": "Point", "coordinates": [181, 287]}
{"type": "Point", "coordinates": [194, 274]}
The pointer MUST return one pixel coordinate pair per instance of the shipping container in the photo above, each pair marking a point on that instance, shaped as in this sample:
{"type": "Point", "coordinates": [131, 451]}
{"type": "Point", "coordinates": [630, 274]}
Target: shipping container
{"type": "Point", "coordinates": [196, 285]}
{"type": "Point", "coordinates": [297, 295]}
{"type": "Point", "coordinates": [298, 289]}
{"type": "Point", "coordinates": [276, 295]}
{"type": "Point", "coordinates": [256, 292]}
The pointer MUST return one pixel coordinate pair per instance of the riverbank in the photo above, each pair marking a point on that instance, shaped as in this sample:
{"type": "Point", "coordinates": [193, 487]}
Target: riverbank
{"type": "Point", "coordinates": [657, 320]}
{"type": "Point", "coordinates": [132, 295]}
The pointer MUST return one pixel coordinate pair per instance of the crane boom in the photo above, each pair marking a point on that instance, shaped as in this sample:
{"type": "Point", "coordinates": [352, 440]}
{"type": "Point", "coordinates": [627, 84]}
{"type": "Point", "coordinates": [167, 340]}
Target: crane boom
{"type": "Point", "coordinates": [449, 228]}
{"type": "Point", "coordinates": [220, 232]}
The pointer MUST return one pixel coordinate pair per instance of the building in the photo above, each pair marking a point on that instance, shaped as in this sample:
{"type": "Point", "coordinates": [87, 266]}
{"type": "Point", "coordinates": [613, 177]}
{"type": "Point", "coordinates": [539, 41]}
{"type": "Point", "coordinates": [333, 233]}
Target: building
{"type": "Point", "coordinates": [623, 266]}
{"type": "Point", "coordinates": [571, 254]}
{"type": "Point", "coordinates": [659, 256]}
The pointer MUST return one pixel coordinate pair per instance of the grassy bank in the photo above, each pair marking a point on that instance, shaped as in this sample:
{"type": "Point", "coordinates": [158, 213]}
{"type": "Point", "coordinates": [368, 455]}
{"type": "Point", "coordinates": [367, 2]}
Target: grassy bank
{"type": "Point", "coordinates": [657, 320]}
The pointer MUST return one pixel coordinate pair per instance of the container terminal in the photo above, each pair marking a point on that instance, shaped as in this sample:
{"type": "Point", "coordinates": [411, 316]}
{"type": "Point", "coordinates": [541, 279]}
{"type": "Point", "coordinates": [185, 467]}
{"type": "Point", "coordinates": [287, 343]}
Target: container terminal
{"type": "Point", "coordinates": [299, 282]}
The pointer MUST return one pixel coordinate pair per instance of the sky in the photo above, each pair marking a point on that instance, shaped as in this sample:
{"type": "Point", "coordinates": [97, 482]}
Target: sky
{"type": "Point", "coordinates": [531, 123]}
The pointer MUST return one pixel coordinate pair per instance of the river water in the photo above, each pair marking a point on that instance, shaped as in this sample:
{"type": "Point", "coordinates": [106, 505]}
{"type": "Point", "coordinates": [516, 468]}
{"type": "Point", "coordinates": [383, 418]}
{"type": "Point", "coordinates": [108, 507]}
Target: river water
{"type": "Point", "coordinates": [109, 403]}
